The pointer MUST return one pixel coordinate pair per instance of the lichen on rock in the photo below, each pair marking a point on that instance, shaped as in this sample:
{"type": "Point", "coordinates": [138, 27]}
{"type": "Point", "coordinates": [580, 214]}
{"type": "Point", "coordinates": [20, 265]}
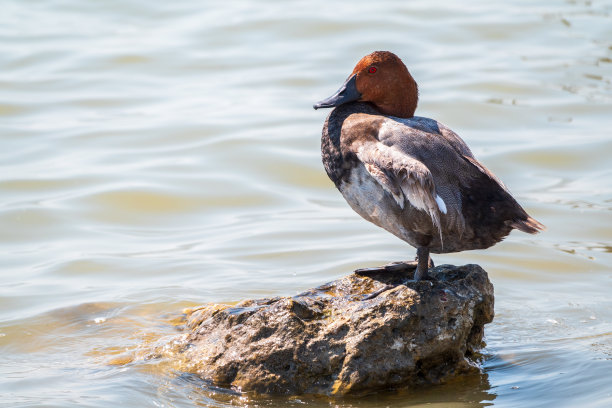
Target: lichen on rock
{"type": "Point", "coordinates": [342, 337]}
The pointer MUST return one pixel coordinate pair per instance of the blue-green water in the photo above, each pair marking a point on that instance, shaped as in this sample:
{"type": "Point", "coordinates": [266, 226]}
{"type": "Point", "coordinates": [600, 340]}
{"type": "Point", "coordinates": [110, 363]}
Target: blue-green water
{"type": "Point", "coordinates": [159, 155]}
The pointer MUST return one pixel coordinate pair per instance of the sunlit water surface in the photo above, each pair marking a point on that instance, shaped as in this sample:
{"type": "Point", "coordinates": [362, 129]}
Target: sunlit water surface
{"type": "Point", "coordinates": [160, 155]}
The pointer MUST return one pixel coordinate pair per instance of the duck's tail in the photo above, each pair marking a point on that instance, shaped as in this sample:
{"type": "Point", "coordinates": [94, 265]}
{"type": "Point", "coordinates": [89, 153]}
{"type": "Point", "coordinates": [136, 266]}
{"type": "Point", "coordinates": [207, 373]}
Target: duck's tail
{"type": "Point", "coordinates": [529, 225]}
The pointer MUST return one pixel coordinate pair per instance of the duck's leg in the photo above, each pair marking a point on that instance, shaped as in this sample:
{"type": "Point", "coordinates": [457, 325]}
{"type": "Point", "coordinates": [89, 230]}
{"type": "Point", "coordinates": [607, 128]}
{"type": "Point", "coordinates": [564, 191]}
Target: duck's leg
{"type": "Point", "coordinates": [422, 264]}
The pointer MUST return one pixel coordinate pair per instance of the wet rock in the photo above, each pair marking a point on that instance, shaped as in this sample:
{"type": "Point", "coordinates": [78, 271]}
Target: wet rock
{"type": "Point", "coordinates": [350, 336]}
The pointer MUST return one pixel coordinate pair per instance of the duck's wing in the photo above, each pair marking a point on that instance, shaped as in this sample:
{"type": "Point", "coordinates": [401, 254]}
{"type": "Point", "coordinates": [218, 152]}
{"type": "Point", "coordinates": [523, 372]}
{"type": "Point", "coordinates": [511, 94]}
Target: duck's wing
{"type": "Point", "coordinates": [407, 179]}
{"type": "Point", "coordinates": [517, 217]}
{"type": "Point", "coordinates": [440, 154]}
{"type": "Point", "coordinates": [472, 193]}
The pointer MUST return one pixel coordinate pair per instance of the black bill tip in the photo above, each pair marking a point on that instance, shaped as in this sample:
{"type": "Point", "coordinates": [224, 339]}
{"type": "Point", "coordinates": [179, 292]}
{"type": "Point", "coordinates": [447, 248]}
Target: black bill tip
{"type": "Point", "coordinates": [347, 93]}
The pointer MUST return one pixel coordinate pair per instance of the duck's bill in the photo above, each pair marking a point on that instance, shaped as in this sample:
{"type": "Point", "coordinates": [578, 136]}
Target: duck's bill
{"type": "Point", "coordinates": [347, 93]}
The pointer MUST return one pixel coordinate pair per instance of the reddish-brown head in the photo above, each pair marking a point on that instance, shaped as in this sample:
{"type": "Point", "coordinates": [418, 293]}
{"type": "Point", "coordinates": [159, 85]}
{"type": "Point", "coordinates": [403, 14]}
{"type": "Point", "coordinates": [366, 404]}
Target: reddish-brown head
{"type": "Point", "coordinates": [382, 79]}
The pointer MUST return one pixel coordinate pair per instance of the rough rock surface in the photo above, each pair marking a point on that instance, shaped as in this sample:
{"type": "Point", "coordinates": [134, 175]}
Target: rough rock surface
{"type": "Point", "coordinates": [342, 337]}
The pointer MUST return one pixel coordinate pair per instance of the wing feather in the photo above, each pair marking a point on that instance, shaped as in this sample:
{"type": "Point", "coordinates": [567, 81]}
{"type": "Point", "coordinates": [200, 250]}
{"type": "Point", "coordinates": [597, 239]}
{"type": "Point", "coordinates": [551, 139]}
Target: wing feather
{"type": "Point", "coordinates": [404, 177]}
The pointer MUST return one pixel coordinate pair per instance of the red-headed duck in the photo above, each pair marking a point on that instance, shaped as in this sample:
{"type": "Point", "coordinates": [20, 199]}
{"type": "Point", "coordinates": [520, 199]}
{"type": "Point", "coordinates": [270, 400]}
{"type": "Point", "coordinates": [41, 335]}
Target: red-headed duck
{"type": "Point", "coordinates": [411, 175]}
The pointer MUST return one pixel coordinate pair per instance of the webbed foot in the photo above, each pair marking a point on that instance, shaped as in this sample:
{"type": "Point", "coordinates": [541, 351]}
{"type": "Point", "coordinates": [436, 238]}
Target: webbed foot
{"type": "Point", "coordinates": [388, 268]}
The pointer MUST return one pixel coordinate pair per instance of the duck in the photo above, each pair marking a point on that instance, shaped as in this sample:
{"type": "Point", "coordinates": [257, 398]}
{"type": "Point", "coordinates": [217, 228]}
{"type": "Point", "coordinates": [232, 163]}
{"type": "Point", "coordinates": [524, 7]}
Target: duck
{"type": "Point", "coordinates": [411, 175]}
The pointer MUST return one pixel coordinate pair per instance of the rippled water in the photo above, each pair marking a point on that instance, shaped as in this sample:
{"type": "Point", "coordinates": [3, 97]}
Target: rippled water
{"type": "Point", "coordinates": [161, 155]}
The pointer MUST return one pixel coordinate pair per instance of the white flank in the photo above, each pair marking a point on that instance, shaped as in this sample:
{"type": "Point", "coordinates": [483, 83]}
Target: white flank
{"type": "Point", "coordinates": [441, 204]}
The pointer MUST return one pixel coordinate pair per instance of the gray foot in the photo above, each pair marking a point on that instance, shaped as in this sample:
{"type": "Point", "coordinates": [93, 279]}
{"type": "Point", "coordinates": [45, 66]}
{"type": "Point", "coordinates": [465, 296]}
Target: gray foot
{"type": "Point", "coordinates": [389, 268]}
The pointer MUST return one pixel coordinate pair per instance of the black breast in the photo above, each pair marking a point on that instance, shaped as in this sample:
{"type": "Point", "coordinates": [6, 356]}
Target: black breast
{"type": "Point", "coordinates": [337, 165]}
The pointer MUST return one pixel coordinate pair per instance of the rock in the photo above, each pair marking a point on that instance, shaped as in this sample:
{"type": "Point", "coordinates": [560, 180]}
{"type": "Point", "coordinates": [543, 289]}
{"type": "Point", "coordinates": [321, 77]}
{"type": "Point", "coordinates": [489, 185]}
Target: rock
{"type": "Point", "coordinates": [342, 337]}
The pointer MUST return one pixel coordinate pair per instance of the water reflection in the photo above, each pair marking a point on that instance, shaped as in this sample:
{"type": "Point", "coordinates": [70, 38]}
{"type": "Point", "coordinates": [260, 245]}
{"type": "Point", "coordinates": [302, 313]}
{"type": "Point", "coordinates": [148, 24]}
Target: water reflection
{"type": "Point", "coordinates": [470, 391]}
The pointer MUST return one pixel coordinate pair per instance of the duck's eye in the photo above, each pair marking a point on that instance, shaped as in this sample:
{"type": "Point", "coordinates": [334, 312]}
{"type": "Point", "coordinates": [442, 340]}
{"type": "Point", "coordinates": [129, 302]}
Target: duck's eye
{"type": "Point", "coordinates": [372, 70]}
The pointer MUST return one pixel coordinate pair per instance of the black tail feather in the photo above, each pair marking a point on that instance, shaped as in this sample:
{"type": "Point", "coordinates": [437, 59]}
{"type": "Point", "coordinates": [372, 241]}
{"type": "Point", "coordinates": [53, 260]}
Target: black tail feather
{"type": "Point", "coordinates": [529, 225]}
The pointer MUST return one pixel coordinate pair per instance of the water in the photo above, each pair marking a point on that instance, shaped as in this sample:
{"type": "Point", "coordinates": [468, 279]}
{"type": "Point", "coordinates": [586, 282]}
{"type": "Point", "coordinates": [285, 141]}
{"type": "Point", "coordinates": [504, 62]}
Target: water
{"type": "Point", "coordinates": [156, 156]}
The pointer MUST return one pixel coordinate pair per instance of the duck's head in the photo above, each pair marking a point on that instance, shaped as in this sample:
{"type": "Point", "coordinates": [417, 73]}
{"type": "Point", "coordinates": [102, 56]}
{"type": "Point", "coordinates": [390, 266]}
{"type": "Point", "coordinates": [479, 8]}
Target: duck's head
{"type": "Point", "coordinates": [382, 79]}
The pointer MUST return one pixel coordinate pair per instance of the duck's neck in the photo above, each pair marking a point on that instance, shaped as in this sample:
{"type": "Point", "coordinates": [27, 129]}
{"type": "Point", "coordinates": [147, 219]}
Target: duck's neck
{"type": "Point", "coordinates": [403, 102]}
